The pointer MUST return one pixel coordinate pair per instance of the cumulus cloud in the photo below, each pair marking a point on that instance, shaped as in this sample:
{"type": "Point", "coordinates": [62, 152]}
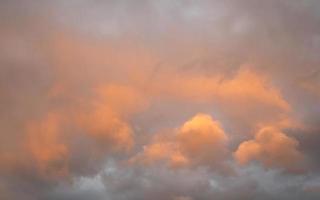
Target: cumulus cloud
{"type": "Point", "coordinates": [200, 141]}
{"type": "Point", "coordinates": [272, 148]}
{"type": "Point", "coordinates": [246, 98]}
{"type": "Point", "coordinates": [203, 140]}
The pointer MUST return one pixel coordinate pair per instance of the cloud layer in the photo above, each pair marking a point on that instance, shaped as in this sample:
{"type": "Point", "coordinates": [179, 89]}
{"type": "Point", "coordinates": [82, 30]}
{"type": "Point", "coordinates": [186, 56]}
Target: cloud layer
{"type": "Point", "coordinates": [177, 100]}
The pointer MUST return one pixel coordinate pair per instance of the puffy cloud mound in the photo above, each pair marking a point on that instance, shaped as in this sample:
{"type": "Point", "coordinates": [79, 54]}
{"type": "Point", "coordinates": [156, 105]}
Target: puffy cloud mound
{"type": "Point", "coordinates": [272, 148]}
{"type": "Point", "coordinates": [200, 141]}
{"type": "Point", "coordinates": [203, 140]}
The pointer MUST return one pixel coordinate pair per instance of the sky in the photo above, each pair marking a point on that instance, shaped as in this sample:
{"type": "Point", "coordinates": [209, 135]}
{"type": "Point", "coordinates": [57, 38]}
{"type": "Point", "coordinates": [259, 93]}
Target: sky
{"type": "Point", "coordinates": [162, 100]}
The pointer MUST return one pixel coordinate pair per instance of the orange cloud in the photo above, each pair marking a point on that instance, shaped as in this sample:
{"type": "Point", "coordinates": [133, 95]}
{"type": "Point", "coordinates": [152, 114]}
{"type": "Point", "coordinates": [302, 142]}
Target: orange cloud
{"type": "Point", "coordinates": [124, 99]}
{"type": "Point", "coordinates": [272, 148]}
{"type": "Point", "coordinates": [44, 141]}
{"type": "Point", "coordinates": [165, 151]}
{"type": "Point", "coordinates": [199, 141]}
{"type": "Point", "coordinates": [102, 121]}
{"type": "Point", "coordinates": [202, 139]}
{"type": "Point", "coordinates": [247, 98]}
{"type": "Point", "coordinates": [244, 87]}
{"type": "Point", "coordinates": [182, 198]}
{"type": "Point", "coordinates": [107, 122]}
{"type": "Point", "coordinates": [248, 86]}
{"type": "Point", "coordinates": [108, 129]}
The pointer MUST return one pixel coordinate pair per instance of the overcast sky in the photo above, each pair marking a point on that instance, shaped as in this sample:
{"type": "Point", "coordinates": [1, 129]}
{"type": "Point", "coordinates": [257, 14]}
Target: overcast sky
{"type": "Point", "coordinates": [162, 100]}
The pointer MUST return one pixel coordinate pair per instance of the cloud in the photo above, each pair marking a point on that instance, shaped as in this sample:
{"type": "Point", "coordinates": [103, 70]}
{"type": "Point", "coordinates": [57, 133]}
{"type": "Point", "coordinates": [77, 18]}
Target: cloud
{"type": "Point", "coordinates": [182, 198]}
{"type": "Point", "coordinates": [272, 148]}
{"type": "Point", "coordinates": [84, 84]}
{"type": "Point", "coordinates": [246, 85]}
{"type": "Point", "coordinates": [49, 152]}
{"type": "Point", "coordinates": [311, 83]}
{"type": "Point", "coordinates": [203, 140]}
{"type": "Point", "coordinates": [200, 141]}
{"type": "Point", "coordinates": [252, 182]}
{"type": "Point", "coordinates": [246, 99]}
{"type": "Point", "coordinates": [44, 141]}
{"type": "Point", "coordinates": [158, 152]}
{"type": "Point", "coordinates": [107, 120]}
